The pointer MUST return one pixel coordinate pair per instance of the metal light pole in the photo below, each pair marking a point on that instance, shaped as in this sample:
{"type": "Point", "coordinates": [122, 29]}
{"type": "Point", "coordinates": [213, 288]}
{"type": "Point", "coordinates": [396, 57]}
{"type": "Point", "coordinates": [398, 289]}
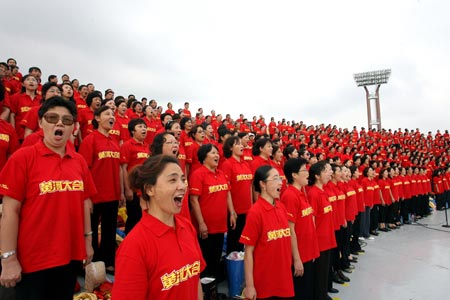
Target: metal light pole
{"type": "Point", "coordinates": [373, 98]}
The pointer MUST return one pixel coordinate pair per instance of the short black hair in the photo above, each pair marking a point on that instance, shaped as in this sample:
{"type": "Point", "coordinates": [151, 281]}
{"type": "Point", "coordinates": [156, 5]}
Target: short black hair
{"type": "Point", "coordinates": [91, 97]}
{"type": "Point", "coordinates": [292, 166]}
{"type": "Point", "coordinates": [228, 145]}
{"type": "Point", "coordinates": [204, 150]}
{"type": "Point", "coordinates": [97, 113]}
{"type": "Point", "coordinates": [133, 123]}
{"type": "Point", "coordinates": [57, 101]}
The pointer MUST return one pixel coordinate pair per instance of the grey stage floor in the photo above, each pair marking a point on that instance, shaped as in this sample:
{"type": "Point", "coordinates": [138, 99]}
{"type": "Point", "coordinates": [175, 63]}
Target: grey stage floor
{"type": "Point", "coordinates": [410, 263]}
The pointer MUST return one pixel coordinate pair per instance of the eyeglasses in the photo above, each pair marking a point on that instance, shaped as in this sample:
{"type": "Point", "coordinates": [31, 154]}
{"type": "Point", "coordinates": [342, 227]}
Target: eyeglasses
{"type": "Point", "coordinates": [172, 143]}
{"type": "Point", "coordinates": [278, 178]}
{"type": "Point", "coordinates": [54, 118]}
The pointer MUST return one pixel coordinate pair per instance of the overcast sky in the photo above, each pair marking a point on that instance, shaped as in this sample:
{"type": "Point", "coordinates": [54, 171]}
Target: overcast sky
{"type": "Point", "coordinates": [291, 59]}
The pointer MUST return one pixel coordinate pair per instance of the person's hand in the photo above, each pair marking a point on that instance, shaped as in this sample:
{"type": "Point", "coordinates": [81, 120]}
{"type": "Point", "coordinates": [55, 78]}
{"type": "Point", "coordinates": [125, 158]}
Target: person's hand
{"type": "Point", "coordinates": [11, 272]}
{"type": "Point", "coordinates": [203, 229]}
{"type": "Point", "coordinates": [89, 250]}
{"type": "Point", "coordinates": [298, 268]}
{"type": "Point", "coordinates": [129, 194]}
{"type": "Point", "coordinates": [233, 217]}
{"type": "Point", "coordinates": [249, 292]}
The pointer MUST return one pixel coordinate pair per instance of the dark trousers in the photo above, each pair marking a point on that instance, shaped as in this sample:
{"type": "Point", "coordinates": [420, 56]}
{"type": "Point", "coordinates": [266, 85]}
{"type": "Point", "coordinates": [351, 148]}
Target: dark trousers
{"type": "Point", "coordinates": [374, 217]}
{"type": "Point", "coordinates": [336, 252]}
{"type": "Point", "coordinates": [404, 210]}
{"type": "Point", "coordinates": [233, 235]}
{"type": "Point", "coordinates": [212, 252]}
{"type": "Point", "coordinates": [304, 285]}
{"type": "Point", "coordinates": [56, 283]}
{"type": "Point", "coordinates": [365, 222]}
{"type": "Point", "coordinates": [346, 236]}
{"type": "Point", "coordinates": [383, 210]}
{"type": "Point", "coordinates": [134, 213]}
{"type": "Point", "coordinates": [106, 214]}
{"type": "Point", "coordinates": [321, 271]}
{"type": "Point", "coordinates": [354, 242]}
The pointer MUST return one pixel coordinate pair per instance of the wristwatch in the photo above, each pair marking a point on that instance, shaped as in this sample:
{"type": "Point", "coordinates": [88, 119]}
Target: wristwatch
{"type": "Point", "coordinates": [7, 254]}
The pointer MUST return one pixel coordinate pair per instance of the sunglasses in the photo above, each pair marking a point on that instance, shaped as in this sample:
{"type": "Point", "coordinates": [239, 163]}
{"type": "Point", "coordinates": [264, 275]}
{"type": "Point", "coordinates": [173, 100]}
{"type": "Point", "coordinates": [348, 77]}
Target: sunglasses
{"type": "Point", "coordinates": [54, 118]}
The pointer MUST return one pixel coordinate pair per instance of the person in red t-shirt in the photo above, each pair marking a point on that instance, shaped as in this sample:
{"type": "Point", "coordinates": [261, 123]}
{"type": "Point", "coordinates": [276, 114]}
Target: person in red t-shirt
{"type": "Point", "coordinates": [186, 111]}
{"type": "Point", "coordinates": [19, 104]}
{"type": "Point", "coordinates": [81, 97]}
{"type": "Point", "coordinates": [30, 121]}
{"type": "Point", "coordinates": [9, 142]}
{"type": "Point", "coordinates": [266, 236]}
{"type": "Point", "coordinates": [102, 155]}
{"type": "Point", "coordinates": [86, 116]}
{"type": "Point", "coordinates": [319, 175]}
{"type": "Point", "coordinates": [122, 118]}
{"type": "Point", "coordinates": [169, 109]}
{"type": "Point", "coordinates": [161, 258]}
{"type": "Point", "coordinates": [175, 129]}
{"type": "Point", "coordinates": [133, 153]}
{"type": "Point", "coordinates": [301, 222]}
{"type": "Point", "coordinates": [240, 178]}
{"type": "Point", "coordinates": [165, 143]}
{"type": "Point", "coordinates": [210, 198]}
{"type": "Point", "coordinates": [48, 196]}
{"type": "Point", "coordinates": [197, 134]}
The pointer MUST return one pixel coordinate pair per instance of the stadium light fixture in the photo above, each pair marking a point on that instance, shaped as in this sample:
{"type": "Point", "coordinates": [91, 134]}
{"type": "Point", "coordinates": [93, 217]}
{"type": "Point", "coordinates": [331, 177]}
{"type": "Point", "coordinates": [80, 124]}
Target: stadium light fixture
{"type": "Point", "coordinates": [366, 79]}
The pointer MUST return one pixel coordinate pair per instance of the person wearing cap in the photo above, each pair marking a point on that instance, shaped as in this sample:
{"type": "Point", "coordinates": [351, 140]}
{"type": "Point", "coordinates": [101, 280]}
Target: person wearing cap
{"type": "Point", "coordinates": [46, 230]}
{"type": "Point", "coordinates": [102, 155]}
{"type": "Point", "coordinates": [93, 101]}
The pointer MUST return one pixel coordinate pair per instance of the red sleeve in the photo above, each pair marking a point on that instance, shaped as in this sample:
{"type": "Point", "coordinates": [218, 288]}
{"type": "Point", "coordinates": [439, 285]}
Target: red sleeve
{"type": "Point", "coordinates": [87, 150]}
{"type": "Point", "coordinates": [226, 169]}
{"type": "Point", "coordinates": [292, 205]}
{"type": "Point", "coordinates": [88, 181]}
{"type": "Point", "coordinates": [31, 120]}
{"type": "Point", "coordinates": [125, 153]}
{"type": "Point", "coordinates": [15, 186]}
{"type": "Point", "coordinates": [250, 234]}
{"type": "Point", "coordinates": [196, 183]}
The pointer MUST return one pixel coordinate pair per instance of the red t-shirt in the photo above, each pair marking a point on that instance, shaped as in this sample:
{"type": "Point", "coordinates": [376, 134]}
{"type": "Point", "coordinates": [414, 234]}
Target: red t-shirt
{"type": "Point", "coordinates": [359, 194]}
{"type": "Point", "coordinates": [323, 216]}
{"type": "Point", "coordinates": [152, 127]}
{"type": "Point", "coordinates": [85, 117]}
{"type": "Point", "coordinates": [20, 104]}
{"type": "Point", "coordinates": [133, 153]}
{"type": "Point", "coordinates": [212, 189]}
{"type": "Point", "coordinates": [102, 155]}
{"type": "Point", "coordinates": [258, 161]}
{"type": "Point", "coordinates": [351, 208]}
{"type": "Point", "coordinates": [240, 178]}
{"type": "Point", "coordinates": [31, 119]}
{"type": "Point", "coordinates": [123, 125]}
{"type": "Point", "coordinates": [300, 212]}
{"type": "Point", "coordinates": [406, 187]}
{"type": "Point", "coordinates": [9, 142]}
{"type": "Point", "coordinates": [385, 188]}
{"type": "Point", "coordinates": [248, 156]}
{"type": "Point", "coordinates": [369, 190]}
{"type": "Point", "coordinates": [52, 190]}
{"type": "Point", "coordinates": [157, 261]}
{"type": "Point", "coordinates": [267, 229]}
{"type": "Point", "coordinates": [192, 157]}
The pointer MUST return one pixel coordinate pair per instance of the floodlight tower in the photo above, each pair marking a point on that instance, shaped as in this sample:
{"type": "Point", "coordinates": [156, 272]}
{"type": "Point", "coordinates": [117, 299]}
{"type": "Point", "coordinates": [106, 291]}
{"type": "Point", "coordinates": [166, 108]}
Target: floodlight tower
{"type": "Point", "coordinates": [373, 78]}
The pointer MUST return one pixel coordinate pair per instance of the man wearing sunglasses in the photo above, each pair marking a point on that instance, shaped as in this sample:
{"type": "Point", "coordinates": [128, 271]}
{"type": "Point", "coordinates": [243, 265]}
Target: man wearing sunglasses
{"type": "Point", "coordinates": [45, 227]}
